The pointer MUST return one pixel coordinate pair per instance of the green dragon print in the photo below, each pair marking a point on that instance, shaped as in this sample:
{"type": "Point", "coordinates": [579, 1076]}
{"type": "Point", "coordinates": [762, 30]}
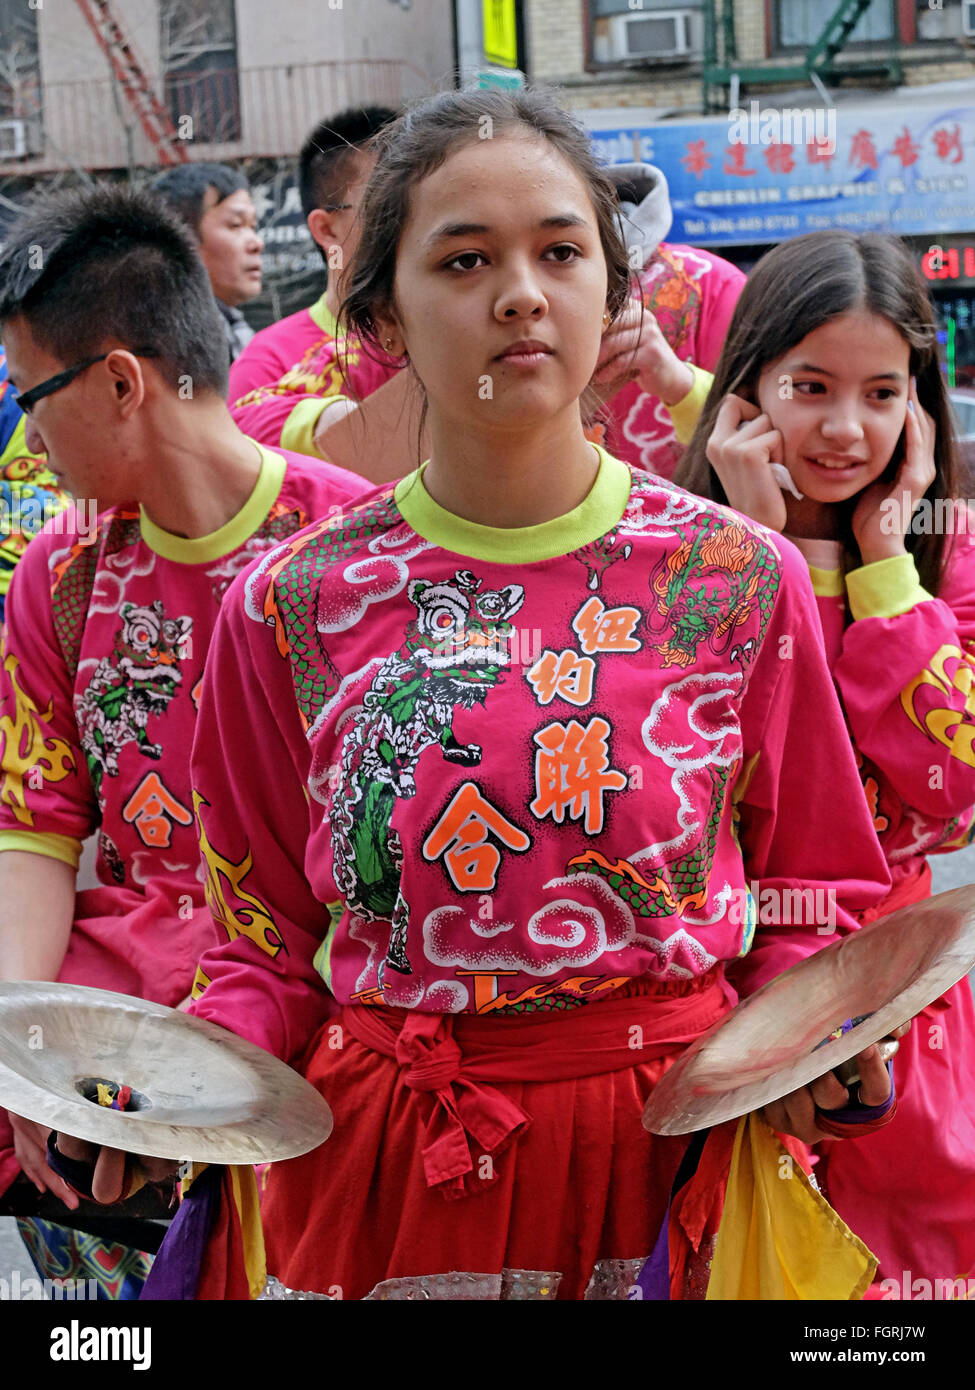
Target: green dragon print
{"type": "Point", "coordinates": [600, 554]}
{"type": "Point", "coordinates": [295, 578]}
{"type": "Point", "coordinates": [710, 586]}
{"type": "Point", "coordinates": [718, 578]}
{"type": "Point", "coordinates": [674, 888]}
{"type": "Point", "coordinates": [138, 680]}
{"type": "Point", "coordinates": [453, 656]}
{"type": "Point", "coordinates": [73, 580]}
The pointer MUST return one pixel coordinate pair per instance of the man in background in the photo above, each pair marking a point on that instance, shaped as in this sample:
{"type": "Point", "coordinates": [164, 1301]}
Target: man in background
{"type": "Point", "coordinates": [333, 170]}
{"type": "Point", "coordinates": [215, 203]}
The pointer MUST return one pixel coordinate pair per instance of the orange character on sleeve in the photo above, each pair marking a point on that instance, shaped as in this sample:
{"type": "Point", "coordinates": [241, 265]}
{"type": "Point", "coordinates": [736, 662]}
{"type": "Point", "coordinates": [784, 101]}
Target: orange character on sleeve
{"type": "Point", "coordinates": [153, 809]}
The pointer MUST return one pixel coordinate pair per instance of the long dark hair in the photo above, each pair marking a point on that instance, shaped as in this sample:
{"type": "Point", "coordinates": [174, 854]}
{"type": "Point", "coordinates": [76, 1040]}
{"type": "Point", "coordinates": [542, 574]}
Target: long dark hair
{"type": "Point", "coordinates": [418, 143]}
{"type": "Point", "coordinates": [796, 288]}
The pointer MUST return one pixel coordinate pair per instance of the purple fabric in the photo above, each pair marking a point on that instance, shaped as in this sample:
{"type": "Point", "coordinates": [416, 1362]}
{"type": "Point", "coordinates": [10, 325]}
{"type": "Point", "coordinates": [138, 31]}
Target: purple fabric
{"type": "Point", "coordinates": [853, 1113]}
{"type": "Point", "coordinates": [176, 1269]}
{"type": "Point", "coordinates": [76, 1172]}
{"type": "Point", "coordinates": [653, 1281]}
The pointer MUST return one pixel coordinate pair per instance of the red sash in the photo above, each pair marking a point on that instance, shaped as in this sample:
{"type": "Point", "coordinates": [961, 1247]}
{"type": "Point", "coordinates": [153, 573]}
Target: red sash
{"type": "Point", "coordinates": [458, 1056]}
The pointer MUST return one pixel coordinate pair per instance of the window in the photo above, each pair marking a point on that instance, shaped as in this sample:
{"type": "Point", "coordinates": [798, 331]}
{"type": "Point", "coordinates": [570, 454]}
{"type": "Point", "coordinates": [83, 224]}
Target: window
{"type": "Point", "coordinates": [624, 32]}
{"type": "Point", "coordinates": [20, 81]}
{"type": "Point", "coordinates": [198, 44]}
{"type": "Point", "coordinates": [799, 23]}
{"type": "Point", "coordinates": [946, 22]}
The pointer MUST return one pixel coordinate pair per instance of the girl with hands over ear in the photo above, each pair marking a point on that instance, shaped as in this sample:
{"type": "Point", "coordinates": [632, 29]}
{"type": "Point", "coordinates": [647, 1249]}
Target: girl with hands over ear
{"type": "Point", "coordinates": [828, 421]}
{"type": "Point", "coordinates": [742, 446]}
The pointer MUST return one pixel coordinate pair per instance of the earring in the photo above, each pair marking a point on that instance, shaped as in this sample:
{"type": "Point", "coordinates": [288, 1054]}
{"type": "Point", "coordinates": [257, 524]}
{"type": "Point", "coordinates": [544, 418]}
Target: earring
{"type": "Point", "coordinates": [605, 320]}
{"type": "Point", "coordinates": [387, 343]}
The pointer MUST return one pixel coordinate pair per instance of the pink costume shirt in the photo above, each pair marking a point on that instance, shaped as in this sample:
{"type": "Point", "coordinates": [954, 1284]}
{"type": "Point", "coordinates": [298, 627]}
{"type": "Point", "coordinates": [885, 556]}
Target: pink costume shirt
{"type": "Point", "coordinates": [495, 771]}
{"type": "Point", "coordinates": [903, 670]}
{"type": "Point", "coordinates": [282, 409]}
{"type": "Point", "coordinates": [902, 662]}
{"type": "Point", "coordinates": [102, 663]}
{"type": "Point", "coordinates": [693, 295]}
{"type": "Point", "coordinates": [272, 351]}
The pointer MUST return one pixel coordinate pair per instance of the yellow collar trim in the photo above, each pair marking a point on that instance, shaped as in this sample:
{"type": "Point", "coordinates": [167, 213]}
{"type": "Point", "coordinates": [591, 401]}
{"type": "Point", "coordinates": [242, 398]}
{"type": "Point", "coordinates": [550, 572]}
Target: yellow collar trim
{"type": "Point", "coordinates": [198, 550]}
{"type": "Point", "coordinates": [598, 513]}
{"type": "Point", "coordinates": [322, 315]}
{"type": "Point", "coordinates": [827, 583]}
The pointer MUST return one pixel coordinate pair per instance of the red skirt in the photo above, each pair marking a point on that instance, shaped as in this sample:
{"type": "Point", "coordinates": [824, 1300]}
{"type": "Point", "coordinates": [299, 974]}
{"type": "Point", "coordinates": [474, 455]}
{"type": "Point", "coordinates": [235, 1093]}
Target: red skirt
{"type": "Point", "coordinates": [484, 1148]}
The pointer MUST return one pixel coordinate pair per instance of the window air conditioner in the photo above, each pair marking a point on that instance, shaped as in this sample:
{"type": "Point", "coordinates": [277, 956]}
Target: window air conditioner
{"type": "Point", "coordinates": [13, 139]}
{"type": "Point", "coordinates": [656, 34]}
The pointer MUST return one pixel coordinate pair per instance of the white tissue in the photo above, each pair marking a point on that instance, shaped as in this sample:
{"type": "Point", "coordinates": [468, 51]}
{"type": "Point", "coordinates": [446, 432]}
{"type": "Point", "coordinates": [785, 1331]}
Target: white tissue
{"type": "Point", "coordinates": [785, 480]}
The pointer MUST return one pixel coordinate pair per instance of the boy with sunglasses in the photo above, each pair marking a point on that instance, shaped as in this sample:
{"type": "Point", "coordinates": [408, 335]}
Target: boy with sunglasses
{"type": "Point", "coordinates": [114, 347]}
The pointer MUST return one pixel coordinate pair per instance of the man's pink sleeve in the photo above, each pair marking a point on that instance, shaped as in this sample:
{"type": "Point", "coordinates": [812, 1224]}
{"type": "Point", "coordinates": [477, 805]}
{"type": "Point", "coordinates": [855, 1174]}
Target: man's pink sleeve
{"type": "Point", "coordinates": [249, 767]}
{"type": "Point", "coordinates": [263, 413]}
{"type": "Point", "coordinates": [340, 368]}
{"type": "Point", "coordinates": [260, 362]}
{"type": "Point", "coordinates": [804, 822]}
{"type": "Point", "coordinates": [905, 675]}
{"type": "Point", "coordinates": [44, 784]}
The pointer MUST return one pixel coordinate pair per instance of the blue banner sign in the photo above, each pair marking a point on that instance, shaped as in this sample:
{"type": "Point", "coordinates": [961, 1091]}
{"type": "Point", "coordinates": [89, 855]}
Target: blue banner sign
{"type": "Point", "coordinates": [762, 176]}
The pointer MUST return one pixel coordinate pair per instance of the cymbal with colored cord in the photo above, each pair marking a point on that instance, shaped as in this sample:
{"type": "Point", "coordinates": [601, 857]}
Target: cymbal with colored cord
{"type": "Point", "coordinates": [818, 1014]}
{"type": "Point", "coordinates": [198, 1092]}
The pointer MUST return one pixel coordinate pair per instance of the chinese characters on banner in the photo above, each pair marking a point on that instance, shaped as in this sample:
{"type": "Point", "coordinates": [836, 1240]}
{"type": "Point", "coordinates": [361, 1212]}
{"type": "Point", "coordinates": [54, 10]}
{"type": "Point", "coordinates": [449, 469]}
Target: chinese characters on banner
{"type": "Point", "coordinates": [889, 169]}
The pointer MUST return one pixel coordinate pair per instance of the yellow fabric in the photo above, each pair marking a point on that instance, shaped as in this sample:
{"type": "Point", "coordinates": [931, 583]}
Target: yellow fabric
{"type": "Point", "coordinates": [322, 315]}
{"type": "Point", "coordinates": [827, 583]}
{"type": "Point", "coordinates": [61, 847]}
{"type": "Point", "coordinates": [779, 1238]}
{"type": "Point", "coordinates": [200, 981]}
{"type": "Point", "coordinates": [244, 1185]}
{"type": "Point", "coordinates": [199, 550]}
{"type": "Point", "coordinates": [298, 434]}
{"type": "Point", "coordinates": [885, 588]}
{"type": "Point", "coordinates": [686, 412]}
{"type": "Point", "coordinates": [598, 513]}
{"type": "Point", "coordinates": [17, 444]}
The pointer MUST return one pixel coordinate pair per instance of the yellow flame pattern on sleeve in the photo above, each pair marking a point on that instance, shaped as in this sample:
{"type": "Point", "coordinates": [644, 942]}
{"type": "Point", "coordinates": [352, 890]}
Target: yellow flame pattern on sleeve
{"type": "Point", "coordinates": [952, 728]}
{"type": "Point", "coordinates": [258, 924]}
{"type": "Point", "coordinates": [24, 747]}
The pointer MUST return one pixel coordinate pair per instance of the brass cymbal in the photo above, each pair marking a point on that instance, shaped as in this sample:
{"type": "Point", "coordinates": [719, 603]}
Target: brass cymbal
{"type": "Point", "coordinates": [198, 1091]}
{"type": "Point", "coordinates": [780, 1038]}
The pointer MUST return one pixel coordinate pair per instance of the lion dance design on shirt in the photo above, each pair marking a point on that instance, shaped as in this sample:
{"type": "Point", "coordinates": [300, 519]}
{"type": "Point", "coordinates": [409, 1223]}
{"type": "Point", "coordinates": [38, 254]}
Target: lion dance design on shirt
{"type": "Point", "coordinates": [138, 680]}
{"type": "Point", "coordinates": [453, 656]}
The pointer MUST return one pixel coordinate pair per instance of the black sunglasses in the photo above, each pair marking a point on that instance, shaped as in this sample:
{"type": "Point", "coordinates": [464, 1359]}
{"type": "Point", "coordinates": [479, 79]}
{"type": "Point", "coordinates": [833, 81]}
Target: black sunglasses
{"type": "Point", "coordinates": [28, 399]}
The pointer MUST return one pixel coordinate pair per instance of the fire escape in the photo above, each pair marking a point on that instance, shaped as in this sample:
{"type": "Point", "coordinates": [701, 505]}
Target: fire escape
{"type": "Point", "coordinates": [722, 68]}
{"type": "Point", "coordinates": [130, 74]}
